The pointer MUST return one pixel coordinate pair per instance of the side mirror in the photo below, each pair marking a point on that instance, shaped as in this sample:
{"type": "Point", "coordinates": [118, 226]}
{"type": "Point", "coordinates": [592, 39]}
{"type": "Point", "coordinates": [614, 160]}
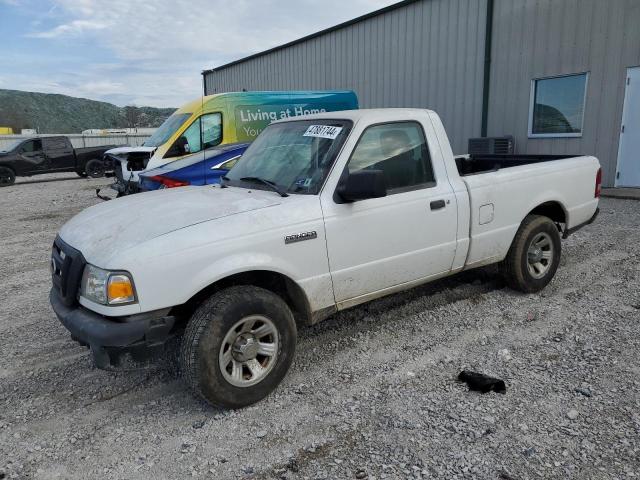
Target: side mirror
{"type": "Point", "coordinates": [179, 147]}
{"type": "Point", "coordinates": [362, 185]}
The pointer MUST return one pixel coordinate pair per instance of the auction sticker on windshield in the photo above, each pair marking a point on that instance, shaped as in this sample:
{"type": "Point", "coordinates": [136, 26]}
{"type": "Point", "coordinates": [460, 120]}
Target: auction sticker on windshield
{"type": "Point", "coordinates": [323, 131]}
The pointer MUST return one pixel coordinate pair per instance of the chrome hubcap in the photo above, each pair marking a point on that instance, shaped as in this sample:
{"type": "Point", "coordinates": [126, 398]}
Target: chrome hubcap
{"type": "Point", "coordinates": [540, 255]}
{"type": "Point", "coordinates": [249, 351]}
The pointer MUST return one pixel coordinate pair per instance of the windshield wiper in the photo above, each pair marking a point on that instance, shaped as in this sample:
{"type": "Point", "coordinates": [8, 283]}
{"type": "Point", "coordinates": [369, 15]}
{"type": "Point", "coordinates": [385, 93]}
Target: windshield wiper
{"type": "Point", "coordinates": [269, 184]}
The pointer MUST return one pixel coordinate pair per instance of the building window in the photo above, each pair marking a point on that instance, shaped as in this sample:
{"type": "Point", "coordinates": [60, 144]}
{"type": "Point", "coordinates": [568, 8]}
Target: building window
{"type": "Point", "coordinates": [557, 106]}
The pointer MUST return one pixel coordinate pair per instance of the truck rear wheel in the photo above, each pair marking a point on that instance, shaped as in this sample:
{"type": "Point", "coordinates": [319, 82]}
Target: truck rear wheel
{"type": "Point", "coordinates": [534, 255]}
{"type": "Point", "coordinates": [95, 168]}
{"type": "Point", "coordinates": [7, 177]}
{"type": "Point", "coordinates": [238, 346]}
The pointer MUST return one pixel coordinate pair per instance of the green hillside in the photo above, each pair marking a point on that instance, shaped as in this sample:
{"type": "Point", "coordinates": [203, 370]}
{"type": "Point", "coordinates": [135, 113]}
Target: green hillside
{"type": "Point", "coordinates": [53, 113]}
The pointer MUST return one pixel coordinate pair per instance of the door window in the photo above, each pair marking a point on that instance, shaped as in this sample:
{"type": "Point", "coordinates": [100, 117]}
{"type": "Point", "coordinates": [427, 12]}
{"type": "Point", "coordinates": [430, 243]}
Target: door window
{"type": "Point", "coordinates": [56, 144]}
{"type": "Point", "coordinates": [400, 151]}
{"type": "Point", "coordinates": [205, 132]}
{"type": "Point", "coordinates": [32, 146]}
{"type": "Point", "coordinates": [192, 135]}
{"type": "Point", "coordinates": [211, 130]}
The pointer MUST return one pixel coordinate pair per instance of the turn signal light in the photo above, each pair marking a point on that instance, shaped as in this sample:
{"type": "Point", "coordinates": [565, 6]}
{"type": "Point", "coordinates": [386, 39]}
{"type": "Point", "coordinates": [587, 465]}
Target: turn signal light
{"type": "Point", "coordinates": [169, 182]}
{"type": "Point", "coordinates": [120, 290]}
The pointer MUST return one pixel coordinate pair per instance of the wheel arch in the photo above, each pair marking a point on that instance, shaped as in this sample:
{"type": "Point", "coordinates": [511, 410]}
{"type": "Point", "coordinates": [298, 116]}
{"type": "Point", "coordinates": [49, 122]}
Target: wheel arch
{"type": "Point", "coordinates": [276, 282]}
{"type": "Point", "coordinates": [554, 210]}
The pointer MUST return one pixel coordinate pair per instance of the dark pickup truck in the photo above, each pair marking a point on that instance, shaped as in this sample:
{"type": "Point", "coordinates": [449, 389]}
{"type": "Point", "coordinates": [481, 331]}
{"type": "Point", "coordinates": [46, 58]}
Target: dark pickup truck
{"type": "Point", "coordinates": [33, 156]}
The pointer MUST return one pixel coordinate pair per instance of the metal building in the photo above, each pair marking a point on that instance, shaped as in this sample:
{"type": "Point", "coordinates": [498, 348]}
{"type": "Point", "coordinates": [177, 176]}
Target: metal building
{"type": "Point", "coordinates": [560, 76]}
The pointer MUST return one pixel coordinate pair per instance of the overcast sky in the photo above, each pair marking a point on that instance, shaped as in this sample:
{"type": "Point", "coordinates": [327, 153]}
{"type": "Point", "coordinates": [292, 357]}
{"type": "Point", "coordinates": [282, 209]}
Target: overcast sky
{"type": "Point", "coordinates": [147, 52]}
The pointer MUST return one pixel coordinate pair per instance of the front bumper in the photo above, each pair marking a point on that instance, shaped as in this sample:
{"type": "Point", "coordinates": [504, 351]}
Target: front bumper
{"type": "Point", "coordinates": [142, 336]}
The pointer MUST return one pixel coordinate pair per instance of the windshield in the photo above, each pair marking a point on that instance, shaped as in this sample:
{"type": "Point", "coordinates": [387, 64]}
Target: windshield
{"type": "Point", "coordinates": [294, 156]}
{"type": "Point", "coordinates": [166, 130]}
{"type": "Point", "coordinates": [7, 147]}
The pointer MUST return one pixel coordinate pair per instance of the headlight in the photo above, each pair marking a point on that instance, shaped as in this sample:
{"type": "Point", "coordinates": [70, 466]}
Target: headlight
{"type": "Point", "coordinates": [107, 288]}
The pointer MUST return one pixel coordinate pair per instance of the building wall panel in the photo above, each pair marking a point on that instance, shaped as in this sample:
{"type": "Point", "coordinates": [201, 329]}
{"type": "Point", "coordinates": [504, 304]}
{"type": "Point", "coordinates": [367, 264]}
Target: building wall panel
{"type": "Point", "coordinates": [542, 38]}
{"type": "Point", "coordinates": [425, 54]}
{"type": "Point", "coordinates": [430, 54]}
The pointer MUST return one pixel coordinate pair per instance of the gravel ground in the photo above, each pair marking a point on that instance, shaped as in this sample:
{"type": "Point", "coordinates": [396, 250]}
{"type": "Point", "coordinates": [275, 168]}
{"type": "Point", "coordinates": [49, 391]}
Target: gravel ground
{"type": "Point", "coordinates": [372, 393]}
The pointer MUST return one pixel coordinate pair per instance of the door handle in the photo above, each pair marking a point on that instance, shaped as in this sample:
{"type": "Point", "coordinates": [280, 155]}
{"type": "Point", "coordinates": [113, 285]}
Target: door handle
{"type": "Point", "coordinates": [437, 204]}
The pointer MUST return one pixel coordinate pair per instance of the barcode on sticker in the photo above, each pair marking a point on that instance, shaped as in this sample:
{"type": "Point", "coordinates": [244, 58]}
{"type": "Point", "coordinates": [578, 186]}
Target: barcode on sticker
{"type": "Point", "coordinates": [323, 131]}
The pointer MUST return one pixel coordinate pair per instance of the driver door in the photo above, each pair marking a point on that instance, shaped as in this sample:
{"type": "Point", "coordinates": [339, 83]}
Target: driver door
{"type": "Point", "coordinates": [409, 235]}
{"type": "Point", "coordinates": [32, 156]}
{"type": "Point", "coordinates": [203, 133]}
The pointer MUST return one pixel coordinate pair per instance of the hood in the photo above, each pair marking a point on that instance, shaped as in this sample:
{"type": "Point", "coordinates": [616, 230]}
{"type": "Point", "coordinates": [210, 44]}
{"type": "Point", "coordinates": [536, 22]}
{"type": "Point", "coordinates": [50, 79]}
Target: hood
{"type": "Point", "coordinates": [121, 150]}
{"type": "Point", "coordinates": [105, 229]}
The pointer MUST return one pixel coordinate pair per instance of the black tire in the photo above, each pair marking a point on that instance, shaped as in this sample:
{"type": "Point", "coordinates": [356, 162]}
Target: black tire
{"type": "Point", "coordinates": [519, 267]}
{"type": "Point", "coordinates": [94, 168]}
{"type": "Point", "coordinates": [82, 174]}
{"type": "Point", "coordinates": [200, 352]}
{"type": "Point", "coordinates": [7, 177]}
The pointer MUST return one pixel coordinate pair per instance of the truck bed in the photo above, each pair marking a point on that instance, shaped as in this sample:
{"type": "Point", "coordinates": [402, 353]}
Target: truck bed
{"type": "Point", "coordinates": [504, 188]}
{"type": "Point", "coordinates": [475, 164]}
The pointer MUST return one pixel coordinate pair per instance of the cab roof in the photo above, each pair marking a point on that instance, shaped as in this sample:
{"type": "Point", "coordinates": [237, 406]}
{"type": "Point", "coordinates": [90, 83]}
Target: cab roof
{"type": "Point", "coordinates": [370, 114]}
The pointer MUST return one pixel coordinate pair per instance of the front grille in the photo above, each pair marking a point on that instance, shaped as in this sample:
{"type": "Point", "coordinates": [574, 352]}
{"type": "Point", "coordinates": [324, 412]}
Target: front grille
{"type": "Point", "coordinates": [67, 265]}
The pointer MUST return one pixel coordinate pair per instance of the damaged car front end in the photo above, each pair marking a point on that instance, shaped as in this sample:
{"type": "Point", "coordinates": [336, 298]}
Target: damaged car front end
{"type": "Point", "coordinates": [127, 163]}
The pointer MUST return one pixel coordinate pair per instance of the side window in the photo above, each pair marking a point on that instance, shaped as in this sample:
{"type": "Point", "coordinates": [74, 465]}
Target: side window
{"type": "Point", "coordinates": [211, 130]}
{"type": "Point", "coordinates": [58, 144]}
{"type": "Point", "coordinates": [205, 132]}
{"type": "Point", "coordinates": [400, 151]}
{"type": "Point", "coordinates": [192, 134]}
{"type": "Point", "coordinates": [31, 146]}
{"type": "Point", "coordinates": [55, 144]}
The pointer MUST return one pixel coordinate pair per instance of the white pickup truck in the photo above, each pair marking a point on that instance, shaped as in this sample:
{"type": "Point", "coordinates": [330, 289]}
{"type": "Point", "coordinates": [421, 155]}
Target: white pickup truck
{"type": "Point", "coordinates": [322, 213]}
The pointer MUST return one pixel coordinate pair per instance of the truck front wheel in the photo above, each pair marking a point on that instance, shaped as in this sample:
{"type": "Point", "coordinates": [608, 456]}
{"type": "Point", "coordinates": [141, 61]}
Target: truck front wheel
{"type": "Point", "coordinates": [238, 346]}
{"type": "Point", "coordinates": [534, 255]}
{"type": "Point", "coordinates": [7, 177]}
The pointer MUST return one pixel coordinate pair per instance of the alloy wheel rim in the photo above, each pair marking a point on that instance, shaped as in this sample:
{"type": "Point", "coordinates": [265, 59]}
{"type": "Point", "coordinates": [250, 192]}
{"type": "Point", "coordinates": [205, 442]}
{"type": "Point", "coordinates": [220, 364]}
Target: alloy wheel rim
{"type": "Point", "coordinates": [249, 351]}
{"type": "Point", "coordinates": [540, 255]}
